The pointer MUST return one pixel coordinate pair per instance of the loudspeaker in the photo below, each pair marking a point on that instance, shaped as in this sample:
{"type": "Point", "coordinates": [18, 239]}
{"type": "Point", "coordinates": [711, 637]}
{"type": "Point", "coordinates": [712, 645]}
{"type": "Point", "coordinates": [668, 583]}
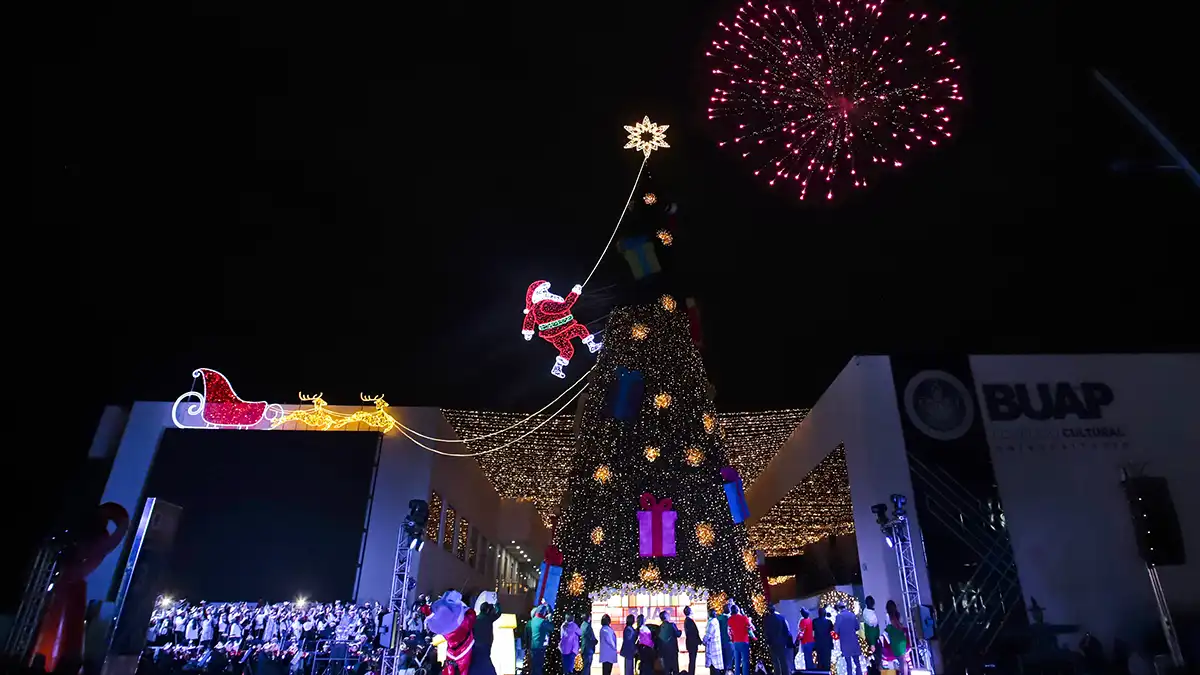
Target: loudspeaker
{"type": "Point", "coordinates": [1155, 523]}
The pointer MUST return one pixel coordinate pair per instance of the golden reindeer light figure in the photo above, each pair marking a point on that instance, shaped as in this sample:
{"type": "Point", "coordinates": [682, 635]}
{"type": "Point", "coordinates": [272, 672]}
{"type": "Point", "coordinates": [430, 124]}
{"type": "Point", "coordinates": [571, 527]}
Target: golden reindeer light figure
{"type": "Point", "coordinates": [317, 417]}
{"type": "Point", "coordinates": [379, 418]}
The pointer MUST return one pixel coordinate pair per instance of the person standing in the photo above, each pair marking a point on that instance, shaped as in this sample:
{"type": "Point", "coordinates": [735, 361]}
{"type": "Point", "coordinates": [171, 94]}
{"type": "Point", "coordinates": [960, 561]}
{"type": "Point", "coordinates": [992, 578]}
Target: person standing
{"type": "Point", "coordinates": [714, 658]}
{"type": "Point", "coordinates": [822, 640]}
{"type": "Point", "coordinates": [668, 644]}
{"type": "Point", "coordinates": [779, 640]}
{"type": "Point", "coordinates": [481, 653]}
{"type": "Point", "coordinates": [691, 639]}
{"type": "Point", "coordinates": [895, 638]}
{"type": "Point", "coordinates": [726, 643]}
{"type": "Point", "coordinates": [629, 644]}
{"type": "Point", "coordinates": [846, 626]}
{"type": "Point", "coordinates": [804, 639]}
{"type": "Point", "coordinates": [589, 643]}
{"type": "Point", "coordinates": [608, 645]}
{"type": "Point", "coordinates": [741, 631]}
{"type": "Point", "coordinates": [871, 633]}
{"type": "Point", "coordinates": [568, 644]}
{"type": "Point", "coordinates": [538, 632]}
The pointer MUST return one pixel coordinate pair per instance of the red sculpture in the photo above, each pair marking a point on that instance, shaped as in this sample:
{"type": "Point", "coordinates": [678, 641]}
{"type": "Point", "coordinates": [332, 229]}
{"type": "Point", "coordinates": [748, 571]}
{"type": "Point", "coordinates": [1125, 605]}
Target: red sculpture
{"type": "Point", "coordinates": [221, 407]}
{"type": "Point", "coordinates": [60, 634]}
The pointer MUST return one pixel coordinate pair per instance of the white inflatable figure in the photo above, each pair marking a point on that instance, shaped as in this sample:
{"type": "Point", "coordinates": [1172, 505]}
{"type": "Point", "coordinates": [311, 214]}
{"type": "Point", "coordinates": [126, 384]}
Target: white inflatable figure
{"type": "Point", "coordinates": [455, 622]}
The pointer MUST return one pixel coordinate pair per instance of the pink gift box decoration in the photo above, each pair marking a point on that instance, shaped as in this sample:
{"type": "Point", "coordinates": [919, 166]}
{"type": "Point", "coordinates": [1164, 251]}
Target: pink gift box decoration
{"type": "Point", "coordinates": [656, 527]}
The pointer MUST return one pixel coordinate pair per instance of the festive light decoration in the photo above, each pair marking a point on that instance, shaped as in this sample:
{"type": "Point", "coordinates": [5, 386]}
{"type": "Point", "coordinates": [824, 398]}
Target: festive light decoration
{"type": "Point", "coordinates": [597, 535]}
{"type": "Point", "coordinates": [832, 597]}
{"type": "Point", "coordinates": [759, 603]}
{"type": "Point", "coordinates": [775, 581]}
{"type": "Point", "coordinates": [320, 417]}
{"type": "Point", "coordinates": [639, 331]}
{"type": "Point", "coordinates": [828, 94]}
{"type": "Point", "coordinates": [670, 364]}
{"type": "Point", "coordinates": [649, 574]}
{"type": "Point", "coordinates": [646, 136]}
{"type": "Point", "coordinates": [656, 527]}
{"type": "Point", "coordinates": [693, 456]}
{"type": "Point", "coordinates": [709, 421]}
{"type": "Point", "coordinates": [537, 468]}
{"type": "Point", "coordinates": [219, 406]}
{"type": "Point", "coordinates": [575, 585]}
{"type": "Point", "coordinates": [818, 507]}
{"type": "Point", "coordinates": [665, 237]}
{"type": "Point", "coordinates": [652, 453]}
{"type": "Point", "coordinates": [435, 517]}
{"type": "Point", "coordinates": [551, 316]}
{"type": "Point", "coordinates": [603, 474]}
{"type": "Point", "coordinates": [668, 303]}
{"type": "Point", "coordinates": [649, 198]}
{"type": "Point", "coordinates": [705, 535]}
{"type": "Point", "coordinates": [648, 588]}
{"type": "Point", "coordinates": [662, 400]}
{"type": "Point", "coordinates": [716, 602]}
{"type": "Point", "coordinates": [749, 560]}
{"type": "Point", "coordinates": [578, 662]}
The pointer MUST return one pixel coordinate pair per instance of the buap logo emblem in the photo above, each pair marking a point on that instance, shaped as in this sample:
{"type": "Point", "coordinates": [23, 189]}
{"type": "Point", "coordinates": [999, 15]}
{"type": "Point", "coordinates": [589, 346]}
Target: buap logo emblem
{"type": "Point", "coordinates": [939, 404]}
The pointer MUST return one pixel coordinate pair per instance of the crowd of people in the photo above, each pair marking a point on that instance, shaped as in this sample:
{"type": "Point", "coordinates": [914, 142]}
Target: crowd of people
{"type": "Point", "coordinates": [649, 648]}
{"type": "Point", "coordinates": [294, 638]}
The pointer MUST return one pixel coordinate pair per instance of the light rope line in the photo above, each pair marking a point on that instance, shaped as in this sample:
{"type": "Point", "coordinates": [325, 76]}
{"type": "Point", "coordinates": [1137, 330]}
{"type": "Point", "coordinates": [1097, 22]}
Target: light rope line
{"type": "Point", "coordinates": [508, 428]}
{"type": "Point", "coordinates": [624, 210]}
{"type": "Point", "coordinates": [503, 445]}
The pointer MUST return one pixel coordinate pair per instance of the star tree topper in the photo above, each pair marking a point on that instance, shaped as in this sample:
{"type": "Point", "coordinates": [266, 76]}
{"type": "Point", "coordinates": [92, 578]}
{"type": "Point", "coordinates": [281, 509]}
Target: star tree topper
{"type": "Point", "coordinates": [647, 136]}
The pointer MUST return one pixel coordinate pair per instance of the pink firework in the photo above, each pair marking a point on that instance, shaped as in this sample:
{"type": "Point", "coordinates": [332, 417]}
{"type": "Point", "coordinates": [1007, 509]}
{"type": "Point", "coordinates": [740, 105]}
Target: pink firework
{"type": "Point", "coordinates": [828, 95]}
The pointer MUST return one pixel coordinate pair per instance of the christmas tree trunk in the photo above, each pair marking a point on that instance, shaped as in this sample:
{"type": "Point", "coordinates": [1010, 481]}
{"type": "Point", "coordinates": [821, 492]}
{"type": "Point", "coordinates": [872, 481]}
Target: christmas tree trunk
{"type": "Point", "coordinates": [647, 509]}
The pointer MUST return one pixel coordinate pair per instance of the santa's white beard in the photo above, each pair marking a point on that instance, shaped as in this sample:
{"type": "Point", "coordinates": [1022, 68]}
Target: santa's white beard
{"type": "Point", "coordinates": [549, 296]}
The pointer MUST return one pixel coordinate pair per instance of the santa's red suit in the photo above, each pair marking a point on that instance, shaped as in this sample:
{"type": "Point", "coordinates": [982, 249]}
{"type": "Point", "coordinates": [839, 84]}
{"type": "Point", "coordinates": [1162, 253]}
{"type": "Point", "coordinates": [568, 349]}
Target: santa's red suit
{"type": "Point", "coordinates": [460, 642]}
{"type": "Point", "coordinates": [551, 316]}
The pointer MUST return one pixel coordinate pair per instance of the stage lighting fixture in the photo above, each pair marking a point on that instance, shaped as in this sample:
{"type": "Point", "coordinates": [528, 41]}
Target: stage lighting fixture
{"type": "Point", "coordinates": [898, 502]}
{"type": "Point", "coordinates": [888, 539]}
{"type": "Point", "coordinates": [880, 511]}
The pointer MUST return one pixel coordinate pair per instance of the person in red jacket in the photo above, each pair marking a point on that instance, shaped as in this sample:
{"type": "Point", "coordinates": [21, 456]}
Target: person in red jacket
{"type": "Point", "coordinates": [551, 316]}
{"type": "Point", "coordinates": [741, 632]}
{"type": "Point", "coordinates": [805, 639]}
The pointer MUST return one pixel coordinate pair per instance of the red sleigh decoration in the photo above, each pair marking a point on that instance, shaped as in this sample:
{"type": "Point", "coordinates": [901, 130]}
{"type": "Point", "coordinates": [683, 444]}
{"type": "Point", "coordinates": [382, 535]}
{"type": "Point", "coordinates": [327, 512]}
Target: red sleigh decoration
{"type": "Point", "coordinates": [221, 408]}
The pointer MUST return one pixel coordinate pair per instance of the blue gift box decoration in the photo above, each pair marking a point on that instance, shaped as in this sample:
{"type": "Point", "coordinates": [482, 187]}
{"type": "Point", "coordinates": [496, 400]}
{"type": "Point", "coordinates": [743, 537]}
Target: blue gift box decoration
{"type": "Point", "coordinates": [625, 398]}
{"type": "Point", "coordinates": [735, 494]}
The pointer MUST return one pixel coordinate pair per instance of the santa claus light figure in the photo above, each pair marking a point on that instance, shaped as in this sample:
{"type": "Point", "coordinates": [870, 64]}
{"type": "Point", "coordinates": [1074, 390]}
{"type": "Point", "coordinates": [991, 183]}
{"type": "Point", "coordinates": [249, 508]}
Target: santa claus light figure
{"type": "Point", "coordinates": [551, 316]}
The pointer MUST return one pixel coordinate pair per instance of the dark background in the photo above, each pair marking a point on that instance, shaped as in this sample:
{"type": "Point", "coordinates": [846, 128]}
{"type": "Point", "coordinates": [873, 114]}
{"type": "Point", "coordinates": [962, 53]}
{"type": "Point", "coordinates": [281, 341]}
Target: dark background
{"type": "Point", "coordinates": [274, 516]}
{"type": "Point", "coordinates": [320, 197]}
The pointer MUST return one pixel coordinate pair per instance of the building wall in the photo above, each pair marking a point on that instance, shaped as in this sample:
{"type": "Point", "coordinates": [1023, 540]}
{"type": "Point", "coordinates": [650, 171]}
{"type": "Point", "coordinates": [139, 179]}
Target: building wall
{"type": "Point", "coordinates": [858, 410]}
{"type": "Point", "coordinates": [1070, 526]}
{"type": "Point", "coordinates": [1063, 505]}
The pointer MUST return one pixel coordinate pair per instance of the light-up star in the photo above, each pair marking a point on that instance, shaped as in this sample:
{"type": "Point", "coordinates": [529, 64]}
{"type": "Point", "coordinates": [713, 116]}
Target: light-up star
{"type": "Point", "coordinates": [647, 136]}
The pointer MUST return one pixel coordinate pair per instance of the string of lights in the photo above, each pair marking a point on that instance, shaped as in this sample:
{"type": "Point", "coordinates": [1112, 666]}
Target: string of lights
{"type": "Point", "coordinates": [536, 467]}
{"type": "Point", "coordinates": [816, 508]}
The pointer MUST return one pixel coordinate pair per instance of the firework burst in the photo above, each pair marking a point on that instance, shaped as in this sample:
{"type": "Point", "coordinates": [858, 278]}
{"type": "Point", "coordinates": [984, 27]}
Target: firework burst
{"type": "Point", "coordinates": [827, 95]}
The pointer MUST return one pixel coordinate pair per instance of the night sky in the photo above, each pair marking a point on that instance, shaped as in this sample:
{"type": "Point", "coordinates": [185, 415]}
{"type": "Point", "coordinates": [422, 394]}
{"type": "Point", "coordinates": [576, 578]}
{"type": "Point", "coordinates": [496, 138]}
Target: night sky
{"type": "Point", "coordinates": [309, 197]}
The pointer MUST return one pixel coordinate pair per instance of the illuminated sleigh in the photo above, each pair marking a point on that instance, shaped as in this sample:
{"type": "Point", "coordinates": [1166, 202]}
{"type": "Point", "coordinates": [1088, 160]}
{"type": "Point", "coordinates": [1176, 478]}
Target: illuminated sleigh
{"type": "Point", "coordinates": [219, 406]}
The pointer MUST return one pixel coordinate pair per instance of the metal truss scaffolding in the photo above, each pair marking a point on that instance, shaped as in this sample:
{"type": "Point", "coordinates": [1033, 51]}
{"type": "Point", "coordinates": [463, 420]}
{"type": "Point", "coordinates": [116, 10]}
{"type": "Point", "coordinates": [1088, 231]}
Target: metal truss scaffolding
{"type": "Point", "coordinates": [910, 588]}
{"type": "Point", "coordinates": [33, 602]}
{"type": "Point", "coordinates": [408, 550]}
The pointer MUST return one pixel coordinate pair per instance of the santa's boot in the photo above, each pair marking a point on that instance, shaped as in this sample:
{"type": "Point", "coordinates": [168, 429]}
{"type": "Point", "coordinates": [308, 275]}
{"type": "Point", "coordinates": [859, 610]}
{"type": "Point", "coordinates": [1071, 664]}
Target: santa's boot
{"type": "Point", "coordinates": [557, 370]}
{"type": "Point", "coordinates": [591, 343]}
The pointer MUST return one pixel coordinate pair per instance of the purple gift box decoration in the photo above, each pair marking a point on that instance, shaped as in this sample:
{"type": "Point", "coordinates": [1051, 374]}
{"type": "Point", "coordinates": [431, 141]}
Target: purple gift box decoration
{"type": "Point", "coordinates": [735, 494]}
{"type": "Point", "coordinates": [656, 527]}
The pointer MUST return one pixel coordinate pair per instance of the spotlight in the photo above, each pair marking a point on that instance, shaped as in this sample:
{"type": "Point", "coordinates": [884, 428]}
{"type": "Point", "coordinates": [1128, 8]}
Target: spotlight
{"type": "Point", "coordinates": [414, 523]}
{"type": "Point", "coordinates": [301, 601]}
{"type": "Point", "coordinates": [880, 511]}
{"type": "Point", "coordinates": [888, 539]}
{"type": "Point", "coordinates": [165, 601]}
{"type": "Point", "coordinates": [898, 502]}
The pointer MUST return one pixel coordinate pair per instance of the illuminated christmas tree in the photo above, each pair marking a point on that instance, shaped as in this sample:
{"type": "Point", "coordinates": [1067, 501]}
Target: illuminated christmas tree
{"type": "Point", "coordinates": [648, 510]}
